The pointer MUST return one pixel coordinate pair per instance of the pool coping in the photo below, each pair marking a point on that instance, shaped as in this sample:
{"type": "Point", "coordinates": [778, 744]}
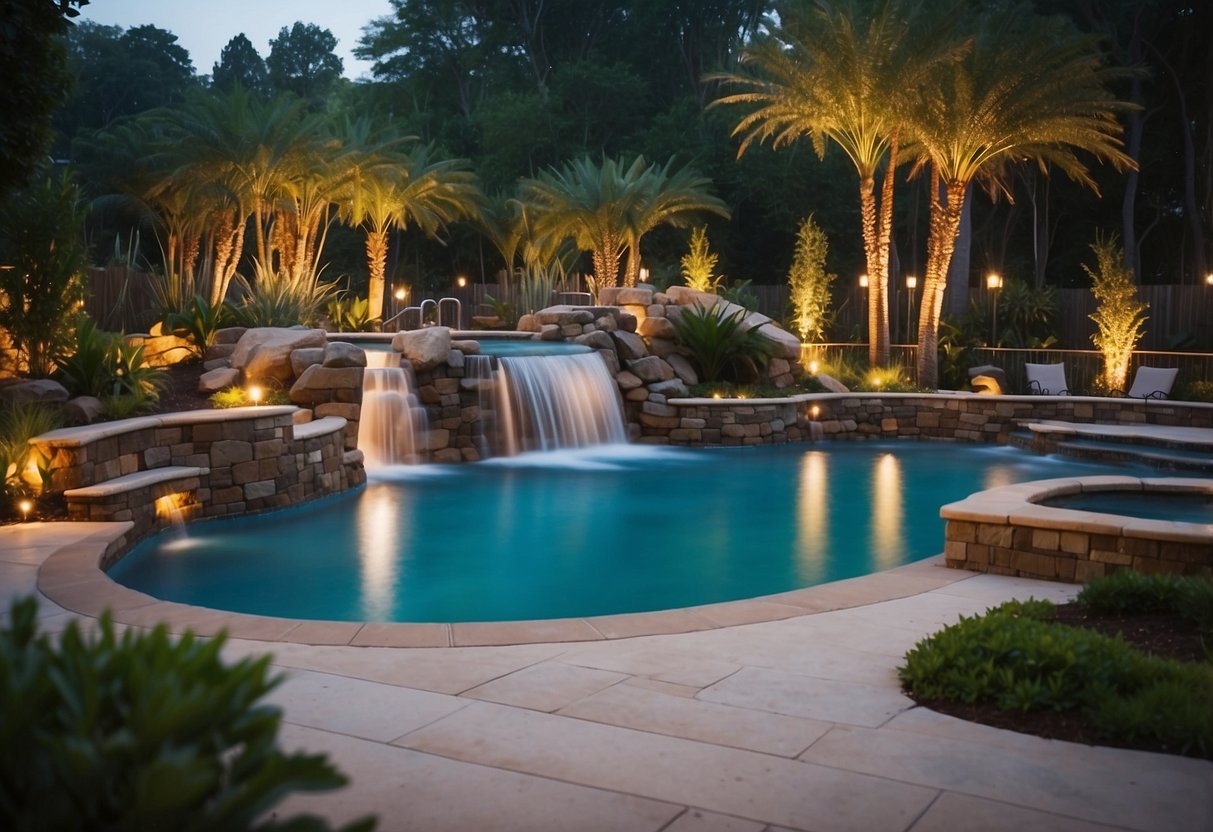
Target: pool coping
{"type": "Point", "coordinates": [72, 577]}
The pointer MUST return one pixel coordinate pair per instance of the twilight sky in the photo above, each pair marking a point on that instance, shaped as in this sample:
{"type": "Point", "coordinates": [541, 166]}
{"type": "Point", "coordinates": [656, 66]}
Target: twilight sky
{"type": "Point", "coordinates": [204, 27]}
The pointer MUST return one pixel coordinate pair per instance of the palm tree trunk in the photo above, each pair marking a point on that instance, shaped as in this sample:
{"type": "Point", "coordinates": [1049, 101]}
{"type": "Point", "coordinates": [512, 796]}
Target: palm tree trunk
{"type": "Point", "coordinates": [884, 235]}
{"type": "Point", "coordinates": [867, 209]}
{"type": "Point", "coordinates": [945, 225]}
{"type": "Point", "coordinates": [376, 261]}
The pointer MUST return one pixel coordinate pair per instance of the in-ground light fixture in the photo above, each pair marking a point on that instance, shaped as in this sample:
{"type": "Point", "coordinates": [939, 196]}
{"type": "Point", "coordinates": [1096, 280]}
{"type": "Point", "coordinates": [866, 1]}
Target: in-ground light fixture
{"type": "Point", "coordinates": [25, 507]}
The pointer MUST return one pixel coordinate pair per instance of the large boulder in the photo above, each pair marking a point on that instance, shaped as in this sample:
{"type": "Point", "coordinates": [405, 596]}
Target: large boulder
{"type": "Point", "coordinates": [425, 348]}
{"type": "Point", "coordinates": [83, 410]}
{"type": "Point", "coordinates": [650, 369]}
{"type": "Point", "coordinates": [597, 340]}
{"type": "Point", "coordinates": [629, 345]}
{"type": "Point", "coordinates": [786, 345]}
{"type": "Point", "coordinates": [264, 353]}
{"type": "Point", "coordinates": [682, 367]}
{"type": "Point", "coordinates": [321, 385]}
{"type": "Point", "coordinates": [212, 381]}
{"type": "Point", "coordinates": [306, 357]}
{"type": "Point", "coordinates": [340, 354]}
{"type": "Point", "coordinates": [657, 328]}
{"type": "Point", "coordinates": [40, 391]}
{"type": "Point", "coordinates": [685, 296]}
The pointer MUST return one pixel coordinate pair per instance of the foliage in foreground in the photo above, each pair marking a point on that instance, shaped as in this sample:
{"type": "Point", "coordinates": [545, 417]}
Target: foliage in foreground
{"type": "Point", "coordinates": [1131, 593]}
{"type": "Point", "coordinates": [142, 731]}
{"type": "Point", "coordinates": [1019, 660]}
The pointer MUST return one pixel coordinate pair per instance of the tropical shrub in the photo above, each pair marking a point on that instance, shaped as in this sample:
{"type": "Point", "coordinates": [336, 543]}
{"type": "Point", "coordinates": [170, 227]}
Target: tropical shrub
{"type": "Point", "coordinates": [1120, 315]}
{"type": "Point", "coordinates": [142, 731]}
{"type": "Point", "coordinates": [1197, 391]}
{"type": "Point", "coordinates": [42, 239]}
{"type": "Point", "coordinates": [239, 397]}
{"type": "Point", "coordinates": [699, 264]}
{"type": "Point", "coordinates": [738, 292]}
{"type": "Point", "coordinates": [104, 365]}
{"type": "Point", "coordinates": [718, 342]}
{"type": "Point", "coordinates": [809, 282]}
{"type": "Point", "coordinates": [1131, 593]}
{"type": "Point", "coordinates": [352, 315]}
{"type": "Point", "coordinates": [20, 422]}
{"type": "Point", "coordinates": [199, 321]}
{"type": "Point", "coordinates": [1027, 315]}
{"type": "Point", "coordinates": [278, 299]}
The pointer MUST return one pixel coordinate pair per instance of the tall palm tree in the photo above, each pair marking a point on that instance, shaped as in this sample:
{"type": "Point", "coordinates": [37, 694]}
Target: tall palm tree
{"type": "Point", "coordinates": [393, 188]}
{"type": "Point", "coordinates": [1031, 89]}
{"type": "Point", "coordinates": [845, 74]}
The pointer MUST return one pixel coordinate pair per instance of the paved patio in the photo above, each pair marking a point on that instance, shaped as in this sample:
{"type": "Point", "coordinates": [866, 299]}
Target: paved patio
{"type": "Point", "coordinates": [792, 723]}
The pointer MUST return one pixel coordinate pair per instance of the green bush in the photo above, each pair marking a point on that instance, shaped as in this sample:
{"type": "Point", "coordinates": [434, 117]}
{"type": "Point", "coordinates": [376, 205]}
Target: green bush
{"type": "Point", "coordinates": [275, 299]}
{"type": "Point", "coordinates": [719, 342]}
{"type": "Point", "coordinates": [1197, 391]}
{"type": "Point", "coordinates": [104, 365]}
{"type": "Point", "coordinates": [238, 397]}
{"type": "Point", "coordinates": [1017, 659]}
{"type": "Point", "coordinates": [352, 315]}
{"type": "Point", "coordinates": [141, 731]}
{"type": "Point", "coordinates": [1131, 593]}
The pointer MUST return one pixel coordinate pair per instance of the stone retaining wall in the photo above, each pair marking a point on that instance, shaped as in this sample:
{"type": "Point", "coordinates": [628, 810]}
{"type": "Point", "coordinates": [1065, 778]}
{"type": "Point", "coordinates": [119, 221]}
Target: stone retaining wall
{"type": "Point", "coordinates": [250, 459]}
{"type": "Point", "coordinates": [1004, 531]}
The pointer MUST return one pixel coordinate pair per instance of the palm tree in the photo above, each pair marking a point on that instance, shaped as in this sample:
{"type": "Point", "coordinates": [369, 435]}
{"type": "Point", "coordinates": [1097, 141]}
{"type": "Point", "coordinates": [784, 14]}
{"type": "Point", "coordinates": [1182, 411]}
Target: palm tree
{"type": "Point", "coordinates": [391, 188]}
{"type": "Point", "coordinates": [673, 198]}
{"type": "Point", "coordinates": [1031, 88]}
{"type": "Point", "coordinates": [845, 74]}
{"type": "Point", "coordinates": [606, 209]}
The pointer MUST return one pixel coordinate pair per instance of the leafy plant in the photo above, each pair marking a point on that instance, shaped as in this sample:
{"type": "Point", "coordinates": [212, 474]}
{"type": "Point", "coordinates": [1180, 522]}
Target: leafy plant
{"type": "Point", "coordinates": [505, 311]}
{"type": "Point", "coordinates": [1120, 315]}
{"type": "Point", "coordinates": [718, 342]}
{"type": "Point", "coordinates": [20, 422]}
{"type": "Point", "coordinates": [199, 322]}
{"type": "Point", "coordinates": [739, 293]}
{"type": "Point", "coordinates": [1027, 315]}
{"type": "Point", "coordinates": [352, 315]}
{"type": "Point", "coordinates": [104, 365]}
{"type": "Point", "coordinates": [1197, 391]}
{"type": "Point", "coordinates": [42, 240]}
{"type": "Point", "coordinates": [1016, 658]}
{"type": "Point", "coordinates": [809, 282]}
{"type": "Point", "coordinates": [142, 731]}
{"type": "Point", "coordinates": [1127, 592]}
{"type": "Point", "coordinates": [699, 264]}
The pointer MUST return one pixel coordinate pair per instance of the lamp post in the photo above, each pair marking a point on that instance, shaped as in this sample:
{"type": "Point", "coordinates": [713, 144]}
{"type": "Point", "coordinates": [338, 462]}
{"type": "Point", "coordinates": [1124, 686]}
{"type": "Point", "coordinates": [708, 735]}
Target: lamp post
{"type": "Point", "coordinates": [994, 283]}
{"type": "Point", "coordinates": [863, 284]}
{"type": "Point", "coordinates": [911, 285]}
{"type": "Point", "coordinates": [644, 275]}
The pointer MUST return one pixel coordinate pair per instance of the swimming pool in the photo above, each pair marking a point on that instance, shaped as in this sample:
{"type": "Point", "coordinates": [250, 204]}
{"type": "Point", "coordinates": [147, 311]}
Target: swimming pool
{"type": "Point", "coordinates": [613, 529]}
{"type": "Point", "coordinates": [1170, 505]}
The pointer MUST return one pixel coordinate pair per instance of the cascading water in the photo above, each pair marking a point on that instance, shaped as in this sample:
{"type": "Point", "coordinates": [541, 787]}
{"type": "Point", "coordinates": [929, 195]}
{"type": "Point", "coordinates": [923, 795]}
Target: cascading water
{"type": "Point", "coordinates": [542, 403]}
{"type": "Point", "coordinates": [392, 427]}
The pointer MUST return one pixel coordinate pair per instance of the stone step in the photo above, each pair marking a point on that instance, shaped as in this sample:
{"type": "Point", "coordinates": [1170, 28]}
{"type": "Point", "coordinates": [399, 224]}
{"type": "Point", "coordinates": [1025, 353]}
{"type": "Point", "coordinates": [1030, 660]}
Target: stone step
{"type": "Point", "coordinates": [1171, 459]}
{"type": "Point", "coordinates": [131, 482]}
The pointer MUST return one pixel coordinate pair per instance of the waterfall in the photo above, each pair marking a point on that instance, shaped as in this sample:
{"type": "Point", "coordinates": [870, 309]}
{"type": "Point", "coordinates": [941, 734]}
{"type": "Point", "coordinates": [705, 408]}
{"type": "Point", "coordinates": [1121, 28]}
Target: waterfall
{"type": "Point", "coordinates": [559, 401]}
{"type": "Point", "coordinates": [392, 426]}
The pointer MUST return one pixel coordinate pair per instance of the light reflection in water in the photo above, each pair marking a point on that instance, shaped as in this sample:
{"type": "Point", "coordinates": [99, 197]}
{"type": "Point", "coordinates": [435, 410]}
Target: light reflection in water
{"type": "Point", "coordinates": [383, 516]}
{"type": "Point", "coordinates": [887, 512]}
{"type": "Point", "coordinates": [998, 476]}
{"type": "Point", "coordinates": [813, 520]}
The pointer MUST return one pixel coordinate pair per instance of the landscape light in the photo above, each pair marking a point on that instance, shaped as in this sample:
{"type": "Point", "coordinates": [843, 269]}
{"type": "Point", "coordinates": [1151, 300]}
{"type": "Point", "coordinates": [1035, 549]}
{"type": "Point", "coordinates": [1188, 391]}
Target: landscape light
{"type": "Point", "coordinates": [254, 394]}
{"type": "Point", "coordinates": [26, 506]}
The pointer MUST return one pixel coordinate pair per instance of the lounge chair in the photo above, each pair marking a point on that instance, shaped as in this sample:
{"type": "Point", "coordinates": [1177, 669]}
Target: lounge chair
{"type": "Point", "coordinates": [1047, 379]}
{"type": "Point", "coordinates": [1152, 383]}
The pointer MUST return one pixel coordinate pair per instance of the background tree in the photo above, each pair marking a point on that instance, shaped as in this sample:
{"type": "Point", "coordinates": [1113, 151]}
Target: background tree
{"type": "Point", "coordinates": [36, 81]}
{"type": "Point", "coordinates": [42, 283]}
{"type": "Point", "coordinates": [1120, 315]}
{"type": "Point", "coordinates": [809, 282]}
{"type": "Point", "coordinates": [1028, 88]}
{"type": "Point", "coordinates": [302, 62]}
{"type": "Point", "coordinates": [240, 64]}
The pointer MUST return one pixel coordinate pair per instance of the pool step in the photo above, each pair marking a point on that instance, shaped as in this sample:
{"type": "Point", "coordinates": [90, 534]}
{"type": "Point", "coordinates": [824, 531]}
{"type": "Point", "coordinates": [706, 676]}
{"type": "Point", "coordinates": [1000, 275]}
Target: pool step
{"type": "Point", "coordinates": [1164, 447]}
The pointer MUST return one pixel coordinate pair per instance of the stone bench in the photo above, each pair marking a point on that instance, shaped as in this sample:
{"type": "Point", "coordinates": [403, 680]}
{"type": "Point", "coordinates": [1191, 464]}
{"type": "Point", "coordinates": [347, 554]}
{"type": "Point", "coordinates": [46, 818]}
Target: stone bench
{"type": "Point", "coordinates": [149, 499]}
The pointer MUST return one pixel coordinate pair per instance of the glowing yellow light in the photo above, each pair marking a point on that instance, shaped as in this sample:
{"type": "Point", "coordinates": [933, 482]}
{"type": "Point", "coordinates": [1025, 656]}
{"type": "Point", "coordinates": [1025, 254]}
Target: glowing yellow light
{"type": "Point", "coordinates": [401, 293]}
{"type": "Point", "coordinates": [716, 395]}
{"type": "Point", "coordinates": [863, 281]}
{"type": "Point", "coordinates": [993, 281]}
{"type": "Point", "coordinates": [814, 411]}
{"type": "Point", "coordinates": [26, 506]}
{"type": "Point", "coordinates": [875, 381]}
{"type": "Point", "coordinates": [461, 281]}
{"type": "Point", "coordinates": [644, 275]}
{"type": "Point", "coordinates": [813, 367]}
{"type": "Point", "coordinates": [911, 281]}
{"type": "Point", "coordinates": [1209, 278]}
{"type": "Point", "coordinates": [254, 394]}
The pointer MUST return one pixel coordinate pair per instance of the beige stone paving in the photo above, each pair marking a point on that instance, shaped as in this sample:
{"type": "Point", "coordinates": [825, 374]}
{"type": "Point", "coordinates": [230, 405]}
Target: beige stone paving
{"type": "Point", "coordinates": [794, 724]}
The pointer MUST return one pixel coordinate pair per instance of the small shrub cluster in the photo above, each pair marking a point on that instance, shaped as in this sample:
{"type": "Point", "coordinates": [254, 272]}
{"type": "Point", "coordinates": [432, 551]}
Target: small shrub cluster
{"type": "Point", "coordinates": [1016, 658]}
{"type": "Point", "coordinates": [1197, 391]}
{"type": "Point", "coordinates": [230, 397]}
{"type": "Point", "coordinates": [1131, 593]}
{"type": "Point", "coordinates": [142, 731]}
{"type": "Point", "coordinates": [104, 365]}
{"type": "Point", "coordinates": [719, 343]}
{"type": "Point", "coordinates": [20, 422]}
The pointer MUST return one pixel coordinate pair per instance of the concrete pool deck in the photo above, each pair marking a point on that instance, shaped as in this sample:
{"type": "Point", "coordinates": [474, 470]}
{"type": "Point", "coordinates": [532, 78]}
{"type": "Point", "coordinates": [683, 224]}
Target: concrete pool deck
{"type": "Point", "coordinates": [796, 723]}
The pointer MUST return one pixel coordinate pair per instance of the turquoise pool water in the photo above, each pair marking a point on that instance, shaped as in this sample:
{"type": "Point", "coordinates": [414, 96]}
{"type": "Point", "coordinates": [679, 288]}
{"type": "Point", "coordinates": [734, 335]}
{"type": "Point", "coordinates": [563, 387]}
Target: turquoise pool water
{"type": "Point", "coordinates": [503, 347]}
{"type": "Point", "coordinates": [614, 529]}
{"type": "Point", "coordinates": [1186, 508]}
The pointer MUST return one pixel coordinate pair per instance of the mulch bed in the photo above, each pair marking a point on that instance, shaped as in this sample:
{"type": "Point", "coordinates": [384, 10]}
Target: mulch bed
{"type": "Point", "coordinates": [1167, 636]}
